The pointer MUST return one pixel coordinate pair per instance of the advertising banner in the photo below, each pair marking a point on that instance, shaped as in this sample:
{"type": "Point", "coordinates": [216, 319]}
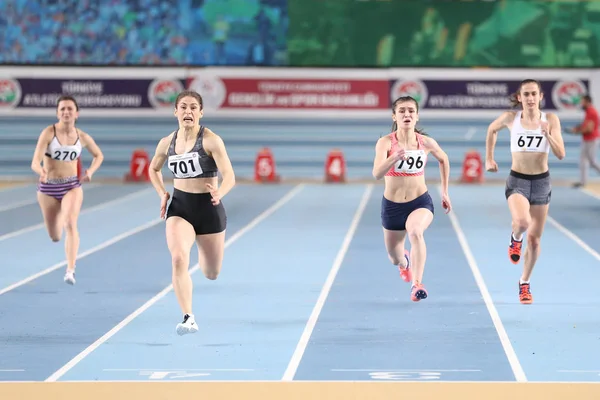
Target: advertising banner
{"type": "Point", "coordinates": [93, 93]}
{"type": "Point", "coordinates": [266, 93]}
{"type": "Point", "coordinates": [486, 94]}
{"type": "Point", "coordinates": [287, 92]}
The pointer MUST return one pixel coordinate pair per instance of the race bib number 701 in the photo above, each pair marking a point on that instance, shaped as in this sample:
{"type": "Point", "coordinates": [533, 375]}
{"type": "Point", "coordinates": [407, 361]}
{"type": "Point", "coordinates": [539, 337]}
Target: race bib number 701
{"type": "Point", "coordinates": [185, 165]}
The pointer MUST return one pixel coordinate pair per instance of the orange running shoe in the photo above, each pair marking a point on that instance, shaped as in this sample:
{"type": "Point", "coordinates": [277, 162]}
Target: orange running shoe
{"type": "Point", "coordinates": [405, 271]}
{"type": "Point", "coordinates": [514, 250]}
{"type": "Point", "coordinates": [525, 296]}
{"type": "Point", "coordinates": [418, 292]}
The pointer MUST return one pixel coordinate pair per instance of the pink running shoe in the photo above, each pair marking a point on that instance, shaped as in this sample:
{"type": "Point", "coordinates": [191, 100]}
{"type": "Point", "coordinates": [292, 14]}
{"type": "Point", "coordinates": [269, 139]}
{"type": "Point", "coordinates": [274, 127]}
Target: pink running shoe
{"type": "Point", "coordinates": [418, 292]}
{"type": "Point", "coordinates": [405, 272]}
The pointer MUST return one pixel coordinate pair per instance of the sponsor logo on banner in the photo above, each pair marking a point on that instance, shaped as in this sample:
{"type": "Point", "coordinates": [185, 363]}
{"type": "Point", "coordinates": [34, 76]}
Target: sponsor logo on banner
{"type": "Point", "coordinates": [413, 88]}
{"type": "Point", "coordinates": [566, 95]}
{"type": "Point", "coordinates": [211, 88]}
{"type": "Point", "coordinates": [163, 92]}
{"type": "Point", "coordinates": [10, 93]}
{"type": "Point", "coordinates": [456, 94]}
{"type": "Point", "coordinates": [92, 93]}
{"type": "Point", "coordinates": [265, 93]}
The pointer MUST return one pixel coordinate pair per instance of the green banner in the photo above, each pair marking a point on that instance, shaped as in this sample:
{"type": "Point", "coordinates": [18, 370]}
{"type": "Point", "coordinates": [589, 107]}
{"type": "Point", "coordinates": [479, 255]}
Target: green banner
{"type": "Point", "coordinates": [444, 33]}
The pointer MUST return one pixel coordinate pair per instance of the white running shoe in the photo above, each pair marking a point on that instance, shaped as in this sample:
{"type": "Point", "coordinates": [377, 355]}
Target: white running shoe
{"type": "Point", "coordinates": [69, 277]}
{"type": "Point", "coordinates": [188, 325]}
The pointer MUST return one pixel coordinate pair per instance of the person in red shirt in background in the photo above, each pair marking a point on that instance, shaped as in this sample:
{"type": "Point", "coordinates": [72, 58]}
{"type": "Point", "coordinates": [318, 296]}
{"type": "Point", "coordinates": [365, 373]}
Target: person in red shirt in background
{"type": "Point", "coordinates": [590, 132]}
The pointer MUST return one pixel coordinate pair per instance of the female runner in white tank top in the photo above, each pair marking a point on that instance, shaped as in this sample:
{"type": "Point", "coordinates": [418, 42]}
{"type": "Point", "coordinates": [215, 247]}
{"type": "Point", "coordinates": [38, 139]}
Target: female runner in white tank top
{"type": "Point", "coordinates": [533, 134]}
{"type": "Point", "coordinates": [60, 194]}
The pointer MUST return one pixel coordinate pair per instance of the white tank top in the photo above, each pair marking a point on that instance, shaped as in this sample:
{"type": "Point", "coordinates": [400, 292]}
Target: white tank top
{"type": "Point", "coordinates": [59, 152]}
{"type": "Point", "coordinates": [527, 140]}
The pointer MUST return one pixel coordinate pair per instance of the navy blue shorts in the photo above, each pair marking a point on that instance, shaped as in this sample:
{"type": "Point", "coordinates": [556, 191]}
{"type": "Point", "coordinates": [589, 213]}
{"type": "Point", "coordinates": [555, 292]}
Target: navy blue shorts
{"type": "Point", "coordinates": [394, 215]}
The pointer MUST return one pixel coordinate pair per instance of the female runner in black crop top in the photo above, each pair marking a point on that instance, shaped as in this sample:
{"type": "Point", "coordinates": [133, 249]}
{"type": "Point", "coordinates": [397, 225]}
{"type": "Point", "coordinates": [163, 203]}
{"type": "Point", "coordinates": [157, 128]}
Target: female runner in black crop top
{"type": "Point", "coordinates": [194, 154]}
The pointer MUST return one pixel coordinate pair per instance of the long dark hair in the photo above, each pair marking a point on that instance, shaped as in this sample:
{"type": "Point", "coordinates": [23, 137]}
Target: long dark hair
{"type": "Point", "coordinates": [514, 99]}
{"type": "Point", "coordinates": [403, 99]}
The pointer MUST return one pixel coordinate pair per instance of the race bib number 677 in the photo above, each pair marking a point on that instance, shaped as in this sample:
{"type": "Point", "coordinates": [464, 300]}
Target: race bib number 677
{"type": "Point", "coordinates": [530, 142]}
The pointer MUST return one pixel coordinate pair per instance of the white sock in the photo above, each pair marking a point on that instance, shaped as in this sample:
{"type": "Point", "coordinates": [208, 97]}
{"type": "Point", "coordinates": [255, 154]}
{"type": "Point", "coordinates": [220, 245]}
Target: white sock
{"type": "Point", "coordinates": [521, 281]}
{"type": "Point", "coordinates": [515, 238]}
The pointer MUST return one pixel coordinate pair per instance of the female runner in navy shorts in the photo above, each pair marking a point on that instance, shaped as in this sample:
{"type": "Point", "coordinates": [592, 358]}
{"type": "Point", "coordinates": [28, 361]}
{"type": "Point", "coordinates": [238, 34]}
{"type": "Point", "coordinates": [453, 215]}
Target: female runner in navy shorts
{"type": "Point", "coordinates": [60, 194]}
{"type": "Point", "coordinates": [194, 154]}
{"type": "Point", "coordinates": [528, 190]}
{"type": "Point", "coordinates": [406, 206]}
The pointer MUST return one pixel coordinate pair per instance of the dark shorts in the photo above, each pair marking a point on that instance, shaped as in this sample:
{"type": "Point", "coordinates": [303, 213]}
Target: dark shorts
{"type": "Point", "coordinates": [537, 189]}
{"type": "Point", "coordinates": [197, 209]}
{"type": "Point", "coordinates": [57, 188]}
{"type": "Point", "coordinates": [394, 215]}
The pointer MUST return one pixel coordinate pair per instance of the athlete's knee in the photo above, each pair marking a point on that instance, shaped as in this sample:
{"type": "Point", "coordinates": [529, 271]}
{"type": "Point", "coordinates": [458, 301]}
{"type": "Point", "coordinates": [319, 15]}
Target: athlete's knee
{"type": "Point", "coordinates": [393, 258]}
{"type": "Point", "coordinates": [534, 242]}
{"type": "Point", "coordinates": [416, 234]}
{"type": "Point", "coordinates": [211, 273]}
{"type": "Point", "coordinates": [55, 233]}
{"type": "Point", "coordinates": [71, 224]}
{"type": "Point", "coordinates": [396, 257]}
{"type": "Point", "coordinates": [521, 223]}
{"type": "Point", "coordinates": [180, 260]}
